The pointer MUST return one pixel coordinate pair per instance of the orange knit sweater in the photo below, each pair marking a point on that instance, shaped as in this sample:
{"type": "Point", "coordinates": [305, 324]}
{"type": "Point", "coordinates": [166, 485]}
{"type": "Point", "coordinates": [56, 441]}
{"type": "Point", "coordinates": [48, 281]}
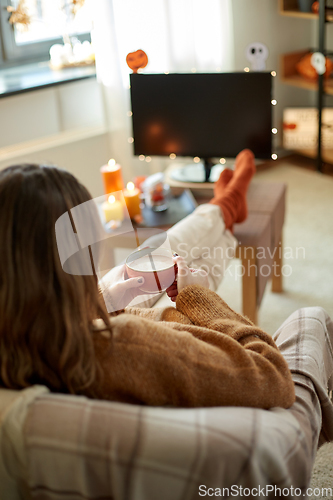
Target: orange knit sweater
{"type": "Point", "coordinates": [200, 354]}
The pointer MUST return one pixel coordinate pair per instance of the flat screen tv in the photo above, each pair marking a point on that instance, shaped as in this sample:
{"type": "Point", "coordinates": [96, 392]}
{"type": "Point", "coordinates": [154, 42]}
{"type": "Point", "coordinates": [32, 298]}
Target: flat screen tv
{"type": "Point", "coordinates": [205, 115]}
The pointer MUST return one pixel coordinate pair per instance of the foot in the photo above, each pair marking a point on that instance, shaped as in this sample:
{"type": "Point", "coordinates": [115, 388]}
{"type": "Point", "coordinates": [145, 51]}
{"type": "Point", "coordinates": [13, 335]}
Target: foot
{"type": "Point", "coordinates": [245, 169]}
{"type": "Point", "coordinates": [222, 182]}
{"type": "Point", "coordinates": [232, 197]}
{"type": "Point", "coordinates": [244, 165]}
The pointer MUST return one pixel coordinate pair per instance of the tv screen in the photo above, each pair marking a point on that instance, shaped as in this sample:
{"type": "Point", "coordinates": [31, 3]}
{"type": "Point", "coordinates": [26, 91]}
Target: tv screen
{"type": "Point", "coordinates": [206, 115]}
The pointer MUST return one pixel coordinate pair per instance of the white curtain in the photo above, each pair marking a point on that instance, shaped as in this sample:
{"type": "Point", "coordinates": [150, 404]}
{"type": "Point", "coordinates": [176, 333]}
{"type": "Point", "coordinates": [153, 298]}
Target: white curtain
{"type": "Point", "coordinates": [177, 35]}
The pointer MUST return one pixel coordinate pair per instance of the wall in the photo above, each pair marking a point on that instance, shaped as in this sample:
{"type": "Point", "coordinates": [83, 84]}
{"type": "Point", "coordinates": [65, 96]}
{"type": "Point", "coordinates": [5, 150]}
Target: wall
{"type": "Point", "coordinates": [63, 125]}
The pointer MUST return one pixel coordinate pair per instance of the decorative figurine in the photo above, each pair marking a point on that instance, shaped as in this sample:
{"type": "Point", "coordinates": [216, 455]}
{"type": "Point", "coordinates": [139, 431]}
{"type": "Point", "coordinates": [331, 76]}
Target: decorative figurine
{"type": "Point", "coordinates": [257, 53]}
{"type": "Point", "coordinates": [137, 60]}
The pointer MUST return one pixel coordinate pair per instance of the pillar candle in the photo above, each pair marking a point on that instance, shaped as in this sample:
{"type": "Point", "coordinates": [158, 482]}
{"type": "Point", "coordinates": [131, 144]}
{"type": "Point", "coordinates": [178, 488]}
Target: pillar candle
{"type": "Point", "coordinates": [113, 209]}
{"type": "Point", "coordinates": [132, 198]}
{"type": "Point", "coordinates": [112, 178]}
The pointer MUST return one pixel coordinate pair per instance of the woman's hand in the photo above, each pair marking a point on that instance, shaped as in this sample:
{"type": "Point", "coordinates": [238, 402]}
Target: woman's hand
{"type": "Point", "coordinates": [186, 276]}
{"type": "Point", "coordinates": [118, 291]}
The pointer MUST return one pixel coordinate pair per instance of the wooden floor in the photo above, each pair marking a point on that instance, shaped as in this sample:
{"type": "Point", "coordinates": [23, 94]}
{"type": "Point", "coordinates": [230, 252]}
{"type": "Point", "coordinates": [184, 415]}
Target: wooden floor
{"type": "Point", "coordinates": [299, 161]}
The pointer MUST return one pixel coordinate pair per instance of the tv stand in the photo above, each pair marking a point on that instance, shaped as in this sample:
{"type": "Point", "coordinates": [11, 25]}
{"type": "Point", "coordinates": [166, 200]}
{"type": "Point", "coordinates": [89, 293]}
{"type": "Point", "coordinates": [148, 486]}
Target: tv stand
{"type": "Point", "coordinates": [208, 164]}
{"type": "Point", "coordinates": [205, 171]}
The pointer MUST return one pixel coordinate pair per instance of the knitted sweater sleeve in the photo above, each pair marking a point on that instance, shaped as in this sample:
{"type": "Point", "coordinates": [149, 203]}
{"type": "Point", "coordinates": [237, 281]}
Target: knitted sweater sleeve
{"type": "Point", "coordinates": [208, 363]}
{"type": "Point", "coordinates": [205, 308]}
{"type": "Point", "coordinates": [269, 368]}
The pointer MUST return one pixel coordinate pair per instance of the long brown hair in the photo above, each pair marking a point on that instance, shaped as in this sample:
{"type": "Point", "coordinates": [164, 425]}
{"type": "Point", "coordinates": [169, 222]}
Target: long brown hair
{"type": "Point", "coordinates": [45, 314]}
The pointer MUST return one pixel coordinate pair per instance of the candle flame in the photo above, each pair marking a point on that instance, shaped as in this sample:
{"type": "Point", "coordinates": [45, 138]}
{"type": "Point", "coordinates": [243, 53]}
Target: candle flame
{"type": "Point", "coordinates": [111, 199]}
{"type": "Point", "coordinates": [130, 186]}
{"type": "Point", "coordinates": [112, 163]}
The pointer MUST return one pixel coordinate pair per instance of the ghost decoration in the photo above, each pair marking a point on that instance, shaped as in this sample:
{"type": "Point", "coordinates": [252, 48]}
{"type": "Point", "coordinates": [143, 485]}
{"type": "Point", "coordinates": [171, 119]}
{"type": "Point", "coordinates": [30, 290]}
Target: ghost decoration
{"type": "Point", "coordinates": [318, 61]}
{"type": "Point", "coordinates": [257, 53]}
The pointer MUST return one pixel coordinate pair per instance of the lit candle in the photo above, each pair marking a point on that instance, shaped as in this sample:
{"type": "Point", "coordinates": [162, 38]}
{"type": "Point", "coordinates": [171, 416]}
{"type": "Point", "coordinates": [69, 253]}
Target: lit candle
{"type": "Point", "coordinates": [113, 210]}
{"type": "Point", "coordinates": [132, 198]}
{"type": "Point", "coordinates": [112, 178]}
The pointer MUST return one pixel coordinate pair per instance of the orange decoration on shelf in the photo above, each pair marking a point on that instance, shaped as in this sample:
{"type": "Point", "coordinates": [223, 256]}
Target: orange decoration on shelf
{"type": "Point", "coordinates": [315, 7]}
{"type": "Point", "coordinates": [305, 68]}
{"type": "Point", "coordinates": [289, 126]}
{"type": "Point", "coordinates": [137, 60]}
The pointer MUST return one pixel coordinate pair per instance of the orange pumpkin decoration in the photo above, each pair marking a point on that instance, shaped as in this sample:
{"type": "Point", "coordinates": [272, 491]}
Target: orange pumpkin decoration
{"type": "Point", "coordinates": [305, 68]}
{"type": "Point", "coordinates": [136, 60]}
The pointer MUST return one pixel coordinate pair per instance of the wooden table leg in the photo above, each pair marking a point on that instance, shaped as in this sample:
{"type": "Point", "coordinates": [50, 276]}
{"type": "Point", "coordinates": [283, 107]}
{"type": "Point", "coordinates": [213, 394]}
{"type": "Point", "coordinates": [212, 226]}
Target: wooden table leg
{"type": "Point", "coordinates": [277, 284]}
{"type": "Point", "coordinates": [249, 282]}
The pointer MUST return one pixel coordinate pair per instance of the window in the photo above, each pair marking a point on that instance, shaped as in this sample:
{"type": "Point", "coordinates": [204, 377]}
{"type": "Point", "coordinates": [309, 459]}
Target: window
{"type": "Point", "coordinates": [50, 22]}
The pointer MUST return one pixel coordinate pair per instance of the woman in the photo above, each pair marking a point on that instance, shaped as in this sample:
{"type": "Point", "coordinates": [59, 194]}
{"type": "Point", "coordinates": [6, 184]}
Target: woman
{"type": "Point", "coordinates": [200, 354]}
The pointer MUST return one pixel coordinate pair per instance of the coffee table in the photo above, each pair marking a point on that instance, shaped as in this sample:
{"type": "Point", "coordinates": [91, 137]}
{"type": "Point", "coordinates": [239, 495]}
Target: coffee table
{"type": "Point", "coordinates": [260, 243]}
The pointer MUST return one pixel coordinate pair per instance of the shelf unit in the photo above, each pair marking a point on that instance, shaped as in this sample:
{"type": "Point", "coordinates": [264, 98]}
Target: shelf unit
{"type": "Point", "coordinates": [290, 8]}
{"type": "Point", "coordinates": [326, 154]}
{"type": "Point", "coordinates": [290, 76]}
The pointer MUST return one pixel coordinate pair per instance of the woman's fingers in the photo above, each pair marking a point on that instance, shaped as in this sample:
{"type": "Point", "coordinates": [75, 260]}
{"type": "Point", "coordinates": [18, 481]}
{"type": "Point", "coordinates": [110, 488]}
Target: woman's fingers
{"type": "Point", "coordinates": [183, 268]}
{"type": "Point", "coordinates": [114, 276]}
{"type": "Point", "coordinates": [173, 285]}
{"type": "Point", "coordinates": [188, 275]}
{"type": "Point", "coordinates": [172, 291]}
{"type": "Point", "coordinates": [131, 283]}
{"type": "Point", "coordinates": [178, 259]}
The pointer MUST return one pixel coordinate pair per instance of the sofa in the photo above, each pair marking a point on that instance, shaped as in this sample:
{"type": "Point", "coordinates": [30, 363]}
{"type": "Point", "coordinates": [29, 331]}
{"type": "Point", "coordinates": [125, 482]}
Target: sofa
{"type": "Point", "coordinates": [70, 447]}
{"type": "Point", "coordinates": [63, 447]}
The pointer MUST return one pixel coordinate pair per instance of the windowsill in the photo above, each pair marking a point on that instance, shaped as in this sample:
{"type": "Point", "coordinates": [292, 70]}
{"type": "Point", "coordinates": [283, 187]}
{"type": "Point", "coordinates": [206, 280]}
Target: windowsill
{"type": "Point", "coordinates": [27, 78]}
{"type": "Point", "coordinates": [15, 151]}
